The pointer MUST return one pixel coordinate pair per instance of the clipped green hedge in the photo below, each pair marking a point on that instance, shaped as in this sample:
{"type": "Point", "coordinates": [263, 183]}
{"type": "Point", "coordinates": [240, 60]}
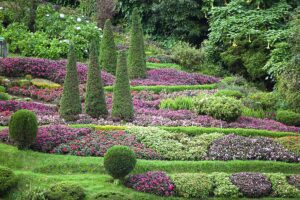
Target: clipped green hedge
{"type": "Point", "coordinates": [194, 130]}
{"type": "Point", "coordinates": [168, 88]}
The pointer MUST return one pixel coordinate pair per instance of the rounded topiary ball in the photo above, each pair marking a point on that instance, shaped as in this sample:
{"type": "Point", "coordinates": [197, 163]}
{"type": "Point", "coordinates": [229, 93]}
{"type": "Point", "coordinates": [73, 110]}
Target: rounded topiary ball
{"type": "Point", "coordinates": [23, 127]}
{"type": "Point", "coordinates": [7, 180]}
{"type": "Point", "coordinates": [119, 161]}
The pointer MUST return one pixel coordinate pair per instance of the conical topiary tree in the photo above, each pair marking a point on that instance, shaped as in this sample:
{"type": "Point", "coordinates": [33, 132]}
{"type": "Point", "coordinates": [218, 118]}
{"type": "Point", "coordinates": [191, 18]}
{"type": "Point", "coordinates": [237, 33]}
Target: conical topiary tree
{"type": "Point", "coordinates": [95, 104]}
{"type": "Point", "coordinates": [122, 108]}
{"type": "Point", "coordinates": [137, 56]}
{"type": "Point", "coordinates": [108, 56]}
{"type": "Point", "coordinates": [70, 104]}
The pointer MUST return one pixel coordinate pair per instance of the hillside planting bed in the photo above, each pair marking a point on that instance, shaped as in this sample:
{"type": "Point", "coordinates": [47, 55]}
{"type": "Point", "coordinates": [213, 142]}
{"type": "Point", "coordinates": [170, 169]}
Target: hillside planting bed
{"type": "Point", "coordinates": [181, 153]}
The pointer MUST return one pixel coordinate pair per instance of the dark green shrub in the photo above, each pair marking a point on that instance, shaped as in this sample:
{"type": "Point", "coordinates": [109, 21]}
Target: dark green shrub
{"type": "Point", "coordinates": [281, 187]}
{"type": "Point", "coordinates": [65, 191]}
{"type": "Point", "coordinates": [110, 195]}
{"type": "Point", "coordinates": [288, 117]}
{"type": "Point", "coordinates": [229, 93]}
{"type": "Point", "coordinates": [95, 104]}
{"type": "Point", "coordinates": [108, 52]}
{"type": "Point", "coordinates": [224, 108]}
{"type": "Point", "coordinates": [223, 186]}
{"type": "Point", "coordinates": [70, 104]}
{"type": "Point", "coordinates": [119, 161]}
{"type": "Point", "coordinates": [187, 56]}
{"type": "Point", "coordinates": [4, 96]}
{"type": "Point", "coordinates": [2, 88]}
{"type": "Point", "coordinates": [122, 107]}
{"type": "Point", "coordinates": [23, 128]}
{"type": "Point", "coordinates": [193, 185]}
{"type": "Point", "coordinates": [7, 180]}
{"type": "Point", "coordinates": [261, 100]}
{"type": "Point", "coordinates": [136, 55]}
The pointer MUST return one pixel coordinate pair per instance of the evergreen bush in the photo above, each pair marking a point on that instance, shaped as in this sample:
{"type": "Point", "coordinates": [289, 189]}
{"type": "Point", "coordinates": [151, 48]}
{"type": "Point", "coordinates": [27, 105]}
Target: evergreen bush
{"type": "Point", "coordinates": [70, 104]}
{"type": "Point", "coordinates": [136, 56]}
{"type": "Point", "coordinates": [23, 127]}
{"type": "Point", "coordinates": [65, 191]}
{"type": "Point", "coordinates": [108, 52]}
{"type": "Point", "coordinates": [288, 117]}
{"type": "Point", "coordinates": [95, 104]}
{"type": "Point", "coordinates": [119, 161]}
{"type": "Point", "coordinates": [7, 180]}
{"type": "Point", "coordinates": [122, 107]}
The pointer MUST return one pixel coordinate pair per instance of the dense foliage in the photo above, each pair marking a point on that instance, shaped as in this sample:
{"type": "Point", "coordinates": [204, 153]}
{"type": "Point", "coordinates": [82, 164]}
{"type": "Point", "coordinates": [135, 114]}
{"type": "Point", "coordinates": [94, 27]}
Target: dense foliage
{"type": "Point", "coordinates": [23, 128]}
{"type": "Point", "coordinates": [95, 104]}
{"type": "Point", "coordinates": [136, 53]}
{"type": "Point", "coordinates": [119, 161]}
{"type": "Point", "coordinates": [70, 104]}
{"type": "Point", "coordinates": [7, 180]}
{"type": "Point", "coordinates": [65, 190]}
{"type": "Point", "coordinates": [108, 51]}
{"type": "Point", "coordinates": [122, 108]}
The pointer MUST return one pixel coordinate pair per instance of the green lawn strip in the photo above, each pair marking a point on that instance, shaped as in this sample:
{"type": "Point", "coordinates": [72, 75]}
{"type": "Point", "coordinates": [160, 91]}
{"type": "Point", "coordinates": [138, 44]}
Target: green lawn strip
{"type": "Point", "coordinates": [168, 88]}
{"type": "Point", "coordinates": [163, 65]}
{"type": "Point", "coordinates": [66, 164]}
{"type": "Point", "coordinates": [194, 130]}
{"type": "Point", "coordinates": [91, 183]}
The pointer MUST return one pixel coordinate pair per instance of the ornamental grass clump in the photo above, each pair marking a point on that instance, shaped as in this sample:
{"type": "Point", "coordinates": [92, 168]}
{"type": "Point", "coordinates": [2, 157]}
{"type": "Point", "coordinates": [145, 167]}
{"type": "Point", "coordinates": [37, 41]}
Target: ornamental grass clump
{"type": "Point", "coordinates": [108, 50]}
{"type": "Point", "coordinates": [157, 183]}
{"type": "Point", "coordinates": [95, 104]}
{"type": "Point", "coordinates": [122, 108]}
{"type": "Point", "coordinates": [136, 55]}
{"type": "Point", "coordinates": [23, 127]}
{"type": "Point", "coordinates": [119, 161]}
{"type": "Point", "coordinates": [252, 185]}
{"type": "Point", "coordinates": [70, 104]}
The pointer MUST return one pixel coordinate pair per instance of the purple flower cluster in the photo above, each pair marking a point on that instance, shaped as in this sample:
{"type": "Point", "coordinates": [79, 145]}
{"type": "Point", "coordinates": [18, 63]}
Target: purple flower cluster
{"type": "Point", "coordinates": [38, 108]}
{"type": "Point", "coordinates": [49, 137]}
{"type": "Point", "coordinates": [43, 68]}
{"type": "Point", "coordinates": [235, 147]}
{"type": "Point", "coordinates": [174, 77]}
{"type": "Point", "coordinates": [97, 143]}
{"type": "Point", "coordinates": [252, 185]}
{"type": "Point", "coordinates": [151, 182]}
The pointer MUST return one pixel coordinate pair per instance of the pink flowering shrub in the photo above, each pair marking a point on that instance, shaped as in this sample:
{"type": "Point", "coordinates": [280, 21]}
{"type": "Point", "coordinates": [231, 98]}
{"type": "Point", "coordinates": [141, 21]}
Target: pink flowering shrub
{"type": "Point", "coordinates": [151, 182]}
{"type": "Point", "coordinates": [49, 137]}
{"type": "Point", "coordinates": [43, 68]}
{"type": "Point", "coordinates": [38, 108]}
{"type": "Point", "coordinates": [97, 143]}
{"type": "Point", "coordinates": [174, 77]}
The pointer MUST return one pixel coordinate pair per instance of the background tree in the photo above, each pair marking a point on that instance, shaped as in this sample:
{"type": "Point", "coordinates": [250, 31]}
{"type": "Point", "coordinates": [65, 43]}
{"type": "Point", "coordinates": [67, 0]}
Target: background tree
{"type": "Point", "coordinates": [105, 10]}
{"type": "Point", "coordinates": [70, 104]}
{"type": "Point", "coordinates": [136, 55]}
{"type": "Point", "coordinates": [122, 101]}
{"type": "Point", "coordinates": [95, 104]}
{"type": "Point", "coordinates": [108, 56]}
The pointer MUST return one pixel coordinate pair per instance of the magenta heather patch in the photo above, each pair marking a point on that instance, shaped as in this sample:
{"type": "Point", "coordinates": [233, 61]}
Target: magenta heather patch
{"type": "Point", "coordinates": [43, 68]}
{"type": "Point", "coordinates": [151, 182]}
{"type": "Point", "coordinates": [97, 143]}
{"type": "Point", "coordinates": [38, 108]}
{"type": "Point", "coordinates": [174, 77]}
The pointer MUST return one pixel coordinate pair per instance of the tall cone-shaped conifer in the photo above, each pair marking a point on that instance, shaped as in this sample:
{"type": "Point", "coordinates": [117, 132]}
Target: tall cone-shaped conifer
{"type": "Point", "coordinates": [70, 104]}
{"type": "Point", "coordinates": [136, 56]}
{"type": "Point", "coordinates": [95, 104]}
{"type": "Point", "coordinates": [122, 100]}
{"type": "Point", "coordinates": [108, 56]}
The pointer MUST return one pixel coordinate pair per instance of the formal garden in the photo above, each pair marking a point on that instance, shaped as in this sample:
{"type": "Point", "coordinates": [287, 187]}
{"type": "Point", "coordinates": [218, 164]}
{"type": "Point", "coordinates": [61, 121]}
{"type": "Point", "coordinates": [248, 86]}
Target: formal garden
{"type": "Point", "coordinates": [144, 100]}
